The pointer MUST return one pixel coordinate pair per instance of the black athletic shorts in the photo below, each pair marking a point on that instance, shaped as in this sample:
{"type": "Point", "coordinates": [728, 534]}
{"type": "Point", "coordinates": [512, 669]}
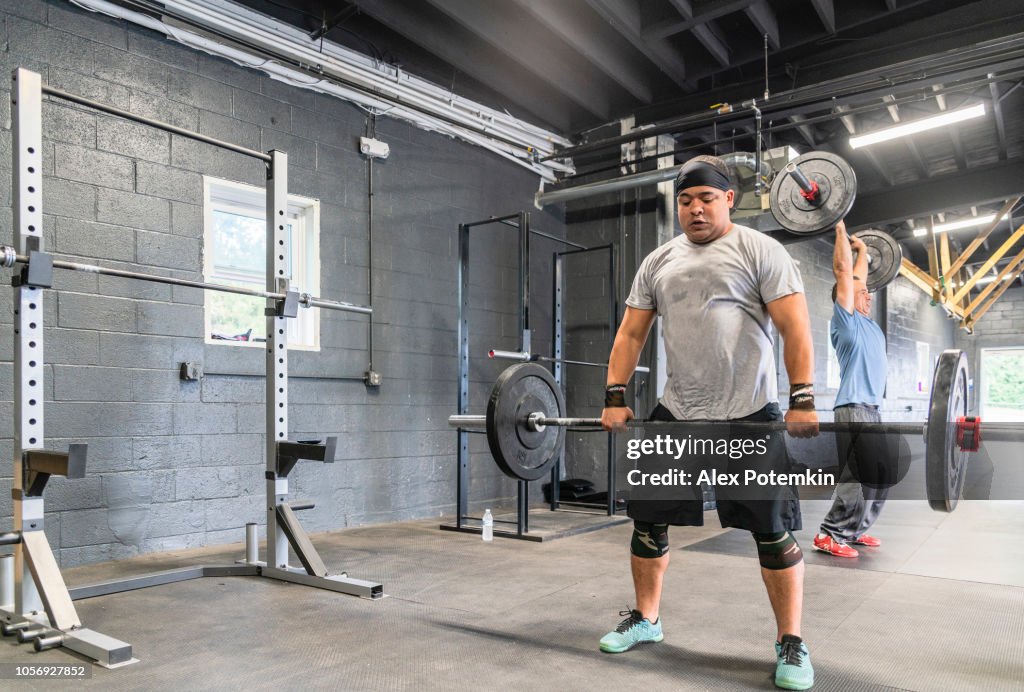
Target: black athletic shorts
{"type": "Point", "coordinates": [779, 510]}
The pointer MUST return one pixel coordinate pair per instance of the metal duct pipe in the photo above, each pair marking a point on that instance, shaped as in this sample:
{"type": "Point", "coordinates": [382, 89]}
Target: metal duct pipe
{"type": "Point", "coordinates": [542, 199]}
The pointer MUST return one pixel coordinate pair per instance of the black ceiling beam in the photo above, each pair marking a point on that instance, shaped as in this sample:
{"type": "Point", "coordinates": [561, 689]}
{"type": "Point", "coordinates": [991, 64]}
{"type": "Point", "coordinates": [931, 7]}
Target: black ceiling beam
{"type": "Point", "coordinates": [954, 134]}
{"type": "Point", "coordinates": [915, 153]}
{"type": "Point", "coordinates": [927, 39]}
{"type": "Point", "coordinates": [826, 13]}
{"type": "Point", "coordinates": [763, 18]}
{"type": "Point", "coordinates": [498, 25]}
{"type": "Point", "coordinates": [978, 186]}
{"type": "Point", "coordinates": [462, 49]}
{"type": "Point", "coordinates": [704, 33]}
{"type": "Point", "coordinates": [595, 40]}
{"type": "Point", "coordinates": [997, 112]}
{"type": "Point", "coordinates": [808, 100]}
{"type": "Point", "coordinates": [690, 17]}
{"type": "Point", "coordinates": [625, 18]}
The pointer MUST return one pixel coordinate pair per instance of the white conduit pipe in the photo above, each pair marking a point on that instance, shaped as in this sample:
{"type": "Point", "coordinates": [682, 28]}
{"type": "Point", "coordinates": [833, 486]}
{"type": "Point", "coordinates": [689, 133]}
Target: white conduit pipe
{"type": "Point", "coordinates": [235, 19]}
{"type": "Point", "coordinates": [476, 120]}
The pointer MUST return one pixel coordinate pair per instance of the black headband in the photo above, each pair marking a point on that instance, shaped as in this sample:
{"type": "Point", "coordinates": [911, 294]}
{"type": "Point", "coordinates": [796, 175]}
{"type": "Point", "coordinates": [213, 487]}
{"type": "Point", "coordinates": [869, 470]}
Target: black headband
{"type": "Point", "coordinates": [700, 173]}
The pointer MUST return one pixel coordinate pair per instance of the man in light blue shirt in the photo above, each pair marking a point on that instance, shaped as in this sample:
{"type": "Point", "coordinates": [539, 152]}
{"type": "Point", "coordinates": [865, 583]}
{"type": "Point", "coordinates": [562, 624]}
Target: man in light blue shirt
{"type": "Point", "coordinates": [860, 348]}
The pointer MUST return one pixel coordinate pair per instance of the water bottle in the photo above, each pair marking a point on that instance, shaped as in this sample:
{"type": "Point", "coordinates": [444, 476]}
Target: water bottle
{"type": "Point", "coordinates": [488, 526]}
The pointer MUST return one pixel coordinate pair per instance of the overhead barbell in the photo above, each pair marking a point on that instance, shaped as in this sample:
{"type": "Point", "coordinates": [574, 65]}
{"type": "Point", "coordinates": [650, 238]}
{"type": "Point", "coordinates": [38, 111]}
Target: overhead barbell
{"type": "Point", "coordinates": [813, 193]}
{"type": "Point", "coordinates": [816, 191]}
{"type": "Point", "coordinates": [884, 257]}
{"type": "Point", "coordinates": [525, 424]}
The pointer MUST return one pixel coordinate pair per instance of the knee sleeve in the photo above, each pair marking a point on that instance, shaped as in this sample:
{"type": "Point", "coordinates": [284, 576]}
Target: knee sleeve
{"type": "Point", "coordinates": [649, 540]}
{"type": "Point", "coordinates": [778, 550]}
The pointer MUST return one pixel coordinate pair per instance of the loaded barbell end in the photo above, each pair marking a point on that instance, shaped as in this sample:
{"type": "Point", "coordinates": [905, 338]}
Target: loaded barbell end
{"type": "Point", "coordinates": [533, 421]}
{"type": "Point", "coordinates": [523, 356]}
{"type": "Point", "coordinates": [968, 433]}
{"type": "Point", "coordinates": [808, 187]}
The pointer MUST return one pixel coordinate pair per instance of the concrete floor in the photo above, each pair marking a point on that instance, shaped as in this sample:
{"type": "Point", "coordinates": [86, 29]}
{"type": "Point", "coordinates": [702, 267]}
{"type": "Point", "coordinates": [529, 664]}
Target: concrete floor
{"type": "Point", "coordinates": [939, 606]}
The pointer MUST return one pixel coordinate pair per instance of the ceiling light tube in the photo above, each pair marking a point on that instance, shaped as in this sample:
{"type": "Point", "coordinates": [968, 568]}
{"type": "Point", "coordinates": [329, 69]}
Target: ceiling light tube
{"type": "Point", "coordinates": [915, 126]}
{"type": "Point", "coordinates": [957, 225]}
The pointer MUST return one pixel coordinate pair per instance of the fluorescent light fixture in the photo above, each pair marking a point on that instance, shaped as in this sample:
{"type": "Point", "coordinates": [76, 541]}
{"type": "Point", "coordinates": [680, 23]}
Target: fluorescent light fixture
{"type": "Point", "coordinates": [964, 223]}
{"type": "Point", "coordinates": [910, 128]}
{"type": "Point", "coordinates": [957, 225]}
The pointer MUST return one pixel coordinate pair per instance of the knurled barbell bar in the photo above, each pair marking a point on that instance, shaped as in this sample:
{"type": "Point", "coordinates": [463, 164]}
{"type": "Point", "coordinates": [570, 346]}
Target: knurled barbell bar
{"type": "Point", "coordinates": [526, 422]}
{"type": "Point", "coordinates": [498, 354]}
{"type": "Point", "coordinates": [9, 257]}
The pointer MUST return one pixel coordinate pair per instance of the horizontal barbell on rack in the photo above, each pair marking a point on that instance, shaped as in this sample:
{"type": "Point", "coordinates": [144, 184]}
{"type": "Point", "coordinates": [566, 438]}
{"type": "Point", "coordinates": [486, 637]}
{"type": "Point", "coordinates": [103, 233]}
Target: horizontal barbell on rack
{"type": "Point", "coordinates": [9, 258]}
{"type": "Point", "coordinates": [526, 422]}
{"type": "Point", "coordinates": [533, 357]}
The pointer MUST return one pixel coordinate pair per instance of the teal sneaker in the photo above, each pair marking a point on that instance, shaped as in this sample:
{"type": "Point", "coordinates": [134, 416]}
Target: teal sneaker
{"type": "Point", "coordinates": [635, 629]}
{"type": "Point", "coordinates": [793, 670]}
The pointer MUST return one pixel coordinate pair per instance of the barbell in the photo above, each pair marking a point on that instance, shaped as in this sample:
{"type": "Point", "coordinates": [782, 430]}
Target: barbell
{"type": "Point", "coordinates": [525, 424]}
{"type": "Point", "coordinates": [816, 191]}
{"type": "Point", "coordinates": [813, 193]}
{"type": "Point", "coordinates": [9, 257]}
{"type": "Point", "coordinates": [884, 257]}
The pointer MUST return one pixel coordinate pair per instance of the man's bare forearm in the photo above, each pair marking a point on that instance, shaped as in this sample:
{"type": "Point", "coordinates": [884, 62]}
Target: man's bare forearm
{"type": "Point", "coordinates": [798, 354]}
{"type": "Point", "coordinates": [842, 255]}
{"type": "Point", "coordinates": [624, 357]}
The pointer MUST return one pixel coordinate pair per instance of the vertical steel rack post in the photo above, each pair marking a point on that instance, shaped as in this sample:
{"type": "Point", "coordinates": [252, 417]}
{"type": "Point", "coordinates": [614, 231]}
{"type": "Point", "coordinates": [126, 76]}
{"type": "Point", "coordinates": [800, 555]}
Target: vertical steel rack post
{"type": "Point", "coordinates": [558, 329]}
{"type": "Point", "coordinates": [520, 222]}
{"type": "Point", "coordinates": [463, 522]}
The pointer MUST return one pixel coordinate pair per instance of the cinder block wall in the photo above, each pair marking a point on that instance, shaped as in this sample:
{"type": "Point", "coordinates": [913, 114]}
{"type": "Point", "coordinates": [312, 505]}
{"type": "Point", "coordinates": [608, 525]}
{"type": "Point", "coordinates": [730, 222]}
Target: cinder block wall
{"type": "Point", "coordinates": [176, 464]}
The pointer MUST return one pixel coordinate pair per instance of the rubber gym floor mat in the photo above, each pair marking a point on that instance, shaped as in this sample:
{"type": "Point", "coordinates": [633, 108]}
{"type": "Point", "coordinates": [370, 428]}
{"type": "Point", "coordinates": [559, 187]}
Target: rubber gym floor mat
{"type": "Point", "coordinates": [977, 542]}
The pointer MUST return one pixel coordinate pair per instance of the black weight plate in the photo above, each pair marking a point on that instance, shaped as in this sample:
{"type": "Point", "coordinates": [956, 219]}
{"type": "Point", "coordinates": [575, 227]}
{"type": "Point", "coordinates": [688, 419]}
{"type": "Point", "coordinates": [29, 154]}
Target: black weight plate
{"type": "Point", "coordinates": [837, 185]}
{"type": "Point", "coordinates": [884, 257]}
{"type": "Point", "coordinates": [945, 463]}
{"type": "Point", "coordinates": [520, 390]}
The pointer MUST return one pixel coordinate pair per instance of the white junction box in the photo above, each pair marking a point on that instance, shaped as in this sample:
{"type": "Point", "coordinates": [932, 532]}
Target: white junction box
{"type": "Point", "coordinates": [374, 148]}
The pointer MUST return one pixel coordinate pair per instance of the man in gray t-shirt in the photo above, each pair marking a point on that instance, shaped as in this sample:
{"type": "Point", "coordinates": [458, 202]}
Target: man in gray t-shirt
{"type": "Point", "coordinates": [718, 287]}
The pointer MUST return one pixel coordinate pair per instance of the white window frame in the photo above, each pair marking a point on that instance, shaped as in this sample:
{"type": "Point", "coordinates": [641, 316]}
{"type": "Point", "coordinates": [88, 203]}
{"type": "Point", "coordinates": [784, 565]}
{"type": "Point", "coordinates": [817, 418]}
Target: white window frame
{"type": "Point", "coordinates": [304, 216]}
{"type": "Point", "coordinates": [983, 376]}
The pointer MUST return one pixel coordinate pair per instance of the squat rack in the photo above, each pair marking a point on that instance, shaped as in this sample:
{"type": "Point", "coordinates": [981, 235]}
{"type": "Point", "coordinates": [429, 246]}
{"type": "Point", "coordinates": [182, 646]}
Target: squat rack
{"type": "Point", "coordinates": [35, 602]}
{"type": "Point", "coordinates": [520, 222]}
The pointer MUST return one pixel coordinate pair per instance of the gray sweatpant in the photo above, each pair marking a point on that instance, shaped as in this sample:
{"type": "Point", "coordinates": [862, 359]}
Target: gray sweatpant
{"type": "Point", "coordinates": [855, 507]}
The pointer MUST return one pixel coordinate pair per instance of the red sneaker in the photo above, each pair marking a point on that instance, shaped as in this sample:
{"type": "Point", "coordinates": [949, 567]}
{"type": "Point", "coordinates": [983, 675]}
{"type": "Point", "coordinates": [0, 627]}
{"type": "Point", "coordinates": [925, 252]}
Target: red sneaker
{"type": "Point", "coordinates": [827, 544]}
{"type": "Point", "coordinates": [869, 541]}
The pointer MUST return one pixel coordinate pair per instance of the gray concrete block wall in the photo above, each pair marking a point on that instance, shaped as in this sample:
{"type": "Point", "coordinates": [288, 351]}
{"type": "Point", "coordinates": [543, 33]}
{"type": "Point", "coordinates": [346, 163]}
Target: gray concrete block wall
{"type": "Point", "coordinates": [912, 319]}
{"type": "Point", "coordinates": [177, 464]}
